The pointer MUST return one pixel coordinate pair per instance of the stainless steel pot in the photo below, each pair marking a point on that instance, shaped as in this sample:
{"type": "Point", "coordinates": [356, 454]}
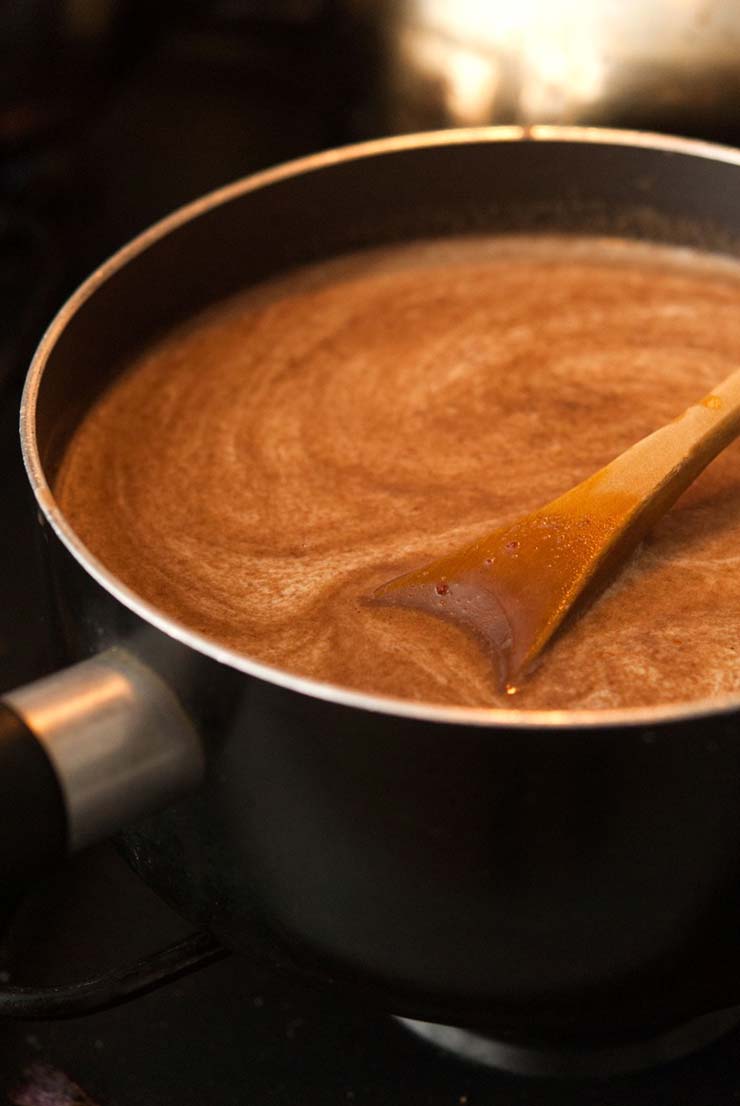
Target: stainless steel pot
{"type": "Point", "coordinates": [545, 875]}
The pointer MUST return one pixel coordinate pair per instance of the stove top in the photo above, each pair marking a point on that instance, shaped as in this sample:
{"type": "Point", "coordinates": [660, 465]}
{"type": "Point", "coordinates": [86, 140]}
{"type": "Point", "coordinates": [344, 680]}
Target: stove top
{"type": "Point", "coordinates": [235, 1033]}
{"type": "Point", "coordinates": [217, 105]}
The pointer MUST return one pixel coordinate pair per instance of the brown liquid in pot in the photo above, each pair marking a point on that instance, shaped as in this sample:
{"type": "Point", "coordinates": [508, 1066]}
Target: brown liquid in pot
{"type": "Point", "coordinates": [259, 471]}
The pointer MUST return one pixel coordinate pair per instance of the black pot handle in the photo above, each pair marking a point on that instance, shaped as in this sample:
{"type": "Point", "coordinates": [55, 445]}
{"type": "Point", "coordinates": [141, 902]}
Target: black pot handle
{"type": "Point", "coordinates": [84, 753]}
{"type": "Point", "coordinates": [33, 820]}
{"type": "Point", "coordinates": [115, 987]}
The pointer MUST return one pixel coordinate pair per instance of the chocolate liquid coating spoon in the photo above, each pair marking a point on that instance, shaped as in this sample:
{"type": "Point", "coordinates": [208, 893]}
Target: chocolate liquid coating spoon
{"type": "Point", "coordinates": [514, 586]}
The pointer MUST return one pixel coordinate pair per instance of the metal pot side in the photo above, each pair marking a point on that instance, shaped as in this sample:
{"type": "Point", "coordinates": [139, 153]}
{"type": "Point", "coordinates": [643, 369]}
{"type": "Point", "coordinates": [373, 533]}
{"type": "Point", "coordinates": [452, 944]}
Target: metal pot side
{"type": "Point", "coordinates": [549, 873]}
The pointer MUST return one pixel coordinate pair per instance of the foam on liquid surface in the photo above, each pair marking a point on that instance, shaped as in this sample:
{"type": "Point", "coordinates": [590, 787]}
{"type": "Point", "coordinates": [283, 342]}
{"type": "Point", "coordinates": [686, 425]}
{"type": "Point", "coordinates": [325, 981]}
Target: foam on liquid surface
{"type": "Point", "coordinates": [261, 469]}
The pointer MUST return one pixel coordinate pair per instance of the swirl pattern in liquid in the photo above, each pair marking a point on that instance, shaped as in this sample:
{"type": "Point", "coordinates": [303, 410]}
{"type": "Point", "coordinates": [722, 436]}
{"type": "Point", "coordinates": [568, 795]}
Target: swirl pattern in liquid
{"type": "Point", "coordinates": [261, 469]}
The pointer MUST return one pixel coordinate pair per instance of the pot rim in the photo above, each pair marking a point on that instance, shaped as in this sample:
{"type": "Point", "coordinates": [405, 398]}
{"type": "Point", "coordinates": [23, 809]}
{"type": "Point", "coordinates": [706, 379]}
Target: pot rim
{"type": "Point", "coordinates": [495, 717]}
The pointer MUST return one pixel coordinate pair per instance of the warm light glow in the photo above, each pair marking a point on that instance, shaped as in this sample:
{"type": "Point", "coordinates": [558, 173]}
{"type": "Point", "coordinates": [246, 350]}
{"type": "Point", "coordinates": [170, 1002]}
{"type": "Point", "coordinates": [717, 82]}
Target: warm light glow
{"type": "Point", "coordinates": [556, 61]}
{"type": "Point", "coordinates": [472, 83]}
{"type": "Point", "coordinates": [560, 73]}
{"type": "Point", "coordinates": [543, 59]}
{"type": "Point", "coordinates": [467, 80]}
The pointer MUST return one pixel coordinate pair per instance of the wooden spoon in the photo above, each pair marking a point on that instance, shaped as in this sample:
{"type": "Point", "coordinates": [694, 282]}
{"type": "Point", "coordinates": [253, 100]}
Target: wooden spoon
{"type": "Point", "coordinates": [514, 586]}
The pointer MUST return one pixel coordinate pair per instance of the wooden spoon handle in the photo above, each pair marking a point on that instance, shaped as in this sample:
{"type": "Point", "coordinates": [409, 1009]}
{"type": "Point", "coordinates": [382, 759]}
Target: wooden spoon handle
{"type": "Point", "coordinates": [667, 461]}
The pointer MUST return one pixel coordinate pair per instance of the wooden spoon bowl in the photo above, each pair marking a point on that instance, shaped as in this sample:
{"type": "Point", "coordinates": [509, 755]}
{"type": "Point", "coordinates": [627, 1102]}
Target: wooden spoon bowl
{"type": "Point", "coordinates": [514, 587]}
